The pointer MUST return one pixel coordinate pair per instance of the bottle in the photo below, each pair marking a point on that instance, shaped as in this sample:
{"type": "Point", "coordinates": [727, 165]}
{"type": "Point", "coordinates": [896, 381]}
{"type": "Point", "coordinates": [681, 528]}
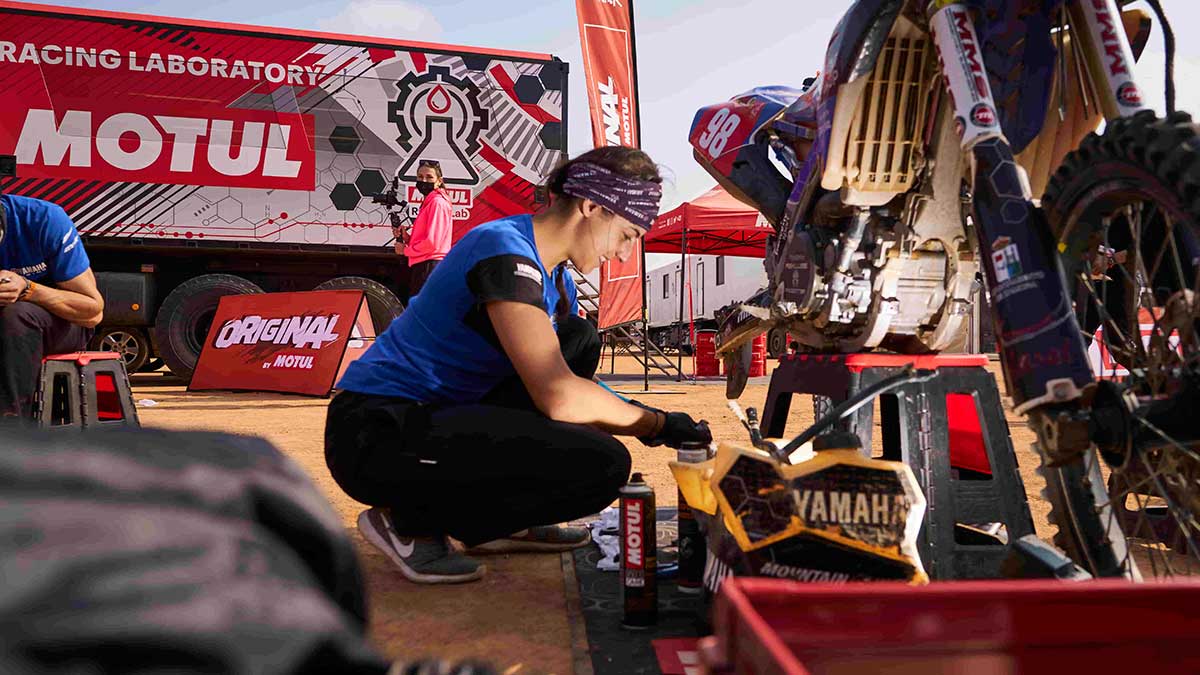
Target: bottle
{"type": "Point", "coordinates": [691, 541]}
{"type": "Point", "coordinates": [639, 588]}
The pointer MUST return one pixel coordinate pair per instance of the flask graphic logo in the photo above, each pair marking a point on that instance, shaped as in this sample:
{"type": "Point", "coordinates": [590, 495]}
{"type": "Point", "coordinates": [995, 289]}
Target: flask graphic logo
{"type": "Point", "coordinates": [439, 117]}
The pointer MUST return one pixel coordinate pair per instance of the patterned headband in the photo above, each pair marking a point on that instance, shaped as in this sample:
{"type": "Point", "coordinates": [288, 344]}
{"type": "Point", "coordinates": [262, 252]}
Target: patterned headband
{"type": "Point", "coordinates": [633, 199]}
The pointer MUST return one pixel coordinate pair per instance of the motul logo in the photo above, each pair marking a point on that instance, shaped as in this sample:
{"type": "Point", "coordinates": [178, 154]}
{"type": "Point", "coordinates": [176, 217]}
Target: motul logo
{"type": "Point", "coordinates": [235, 148]}
{"type": "Point", "coordinates": [263, 149]}
{"type": "Point", "coordinates": [298, 331]}
{"type": "Point", "coordinates": [456, 196]}
{"type": "Point", "coordinates": [291, 361]}
{"type": "Point", "coordinates": [612, 118]}
{"type": "Point", "coordinates": [633, 534]}
{"type": "Point", "coordinates": [969, 50]}
{"type": "Point", "coordinates": [1110, 38]}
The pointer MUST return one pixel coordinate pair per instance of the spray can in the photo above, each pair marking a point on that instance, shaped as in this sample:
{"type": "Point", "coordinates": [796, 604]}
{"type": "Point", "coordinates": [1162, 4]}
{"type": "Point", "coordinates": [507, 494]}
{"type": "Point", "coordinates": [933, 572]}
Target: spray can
{"type": "Point", "coordinates": [639, 587]}
{"type": "Point", "coordinates": [691, 541]}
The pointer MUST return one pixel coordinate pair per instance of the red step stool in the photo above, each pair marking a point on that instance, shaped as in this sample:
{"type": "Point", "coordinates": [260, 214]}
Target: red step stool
{"type": "Point", "coordinates": [85, 390]}
{"type": "Point", "coordinates": [950, 430]}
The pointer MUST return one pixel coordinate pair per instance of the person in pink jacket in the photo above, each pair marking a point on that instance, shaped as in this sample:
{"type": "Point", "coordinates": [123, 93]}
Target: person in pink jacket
{"type": "Point", "coordinates": [433, 229]}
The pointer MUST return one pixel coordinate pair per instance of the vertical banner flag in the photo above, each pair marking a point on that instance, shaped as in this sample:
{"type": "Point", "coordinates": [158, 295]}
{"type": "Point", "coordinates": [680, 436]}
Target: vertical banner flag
{"type": "Point", "coordinates": [606, 36]}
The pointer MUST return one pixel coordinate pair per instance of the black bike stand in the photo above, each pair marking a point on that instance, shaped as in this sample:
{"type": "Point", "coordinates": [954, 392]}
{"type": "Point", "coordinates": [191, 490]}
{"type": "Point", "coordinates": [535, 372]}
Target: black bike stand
{"type": "Point", "coordinates": [950, 430]}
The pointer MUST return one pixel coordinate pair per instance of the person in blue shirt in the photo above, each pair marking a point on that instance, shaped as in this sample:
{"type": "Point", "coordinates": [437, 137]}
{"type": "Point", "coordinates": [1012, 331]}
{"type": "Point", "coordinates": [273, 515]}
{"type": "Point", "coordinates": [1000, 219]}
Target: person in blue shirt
{"type": "Point", "coordinates": [474, 416]}
{"type": "Point", "coordinates": [49, 302]}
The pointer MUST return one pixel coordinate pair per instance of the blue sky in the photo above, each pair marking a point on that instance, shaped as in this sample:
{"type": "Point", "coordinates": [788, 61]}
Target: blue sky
{"type": "Point", "coordinates": [690, 52]}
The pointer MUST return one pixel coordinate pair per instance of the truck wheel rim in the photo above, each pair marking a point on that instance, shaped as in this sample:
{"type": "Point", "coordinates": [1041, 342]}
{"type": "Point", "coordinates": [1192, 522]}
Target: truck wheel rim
{"type": "Point", "coordinates": [122, 343]}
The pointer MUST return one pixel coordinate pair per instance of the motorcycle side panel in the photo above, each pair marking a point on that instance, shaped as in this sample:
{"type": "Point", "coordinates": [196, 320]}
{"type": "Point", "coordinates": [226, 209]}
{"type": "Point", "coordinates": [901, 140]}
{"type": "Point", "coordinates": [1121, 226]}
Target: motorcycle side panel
{"type": "Point", "coordinates": [723, 141]}
{"type": "Point", "coordinates": [720, 131]}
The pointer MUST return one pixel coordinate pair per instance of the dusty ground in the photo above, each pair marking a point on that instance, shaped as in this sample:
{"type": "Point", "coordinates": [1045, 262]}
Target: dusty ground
{"type": "Point", "coordinates": [516, 617]}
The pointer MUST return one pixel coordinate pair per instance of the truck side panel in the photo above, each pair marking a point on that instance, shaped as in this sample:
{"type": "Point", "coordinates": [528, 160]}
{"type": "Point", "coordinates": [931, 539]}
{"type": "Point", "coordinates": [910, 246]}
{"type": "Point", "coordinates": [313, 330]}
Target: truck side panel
{"type": "Point", "coordinates": [166, 131]}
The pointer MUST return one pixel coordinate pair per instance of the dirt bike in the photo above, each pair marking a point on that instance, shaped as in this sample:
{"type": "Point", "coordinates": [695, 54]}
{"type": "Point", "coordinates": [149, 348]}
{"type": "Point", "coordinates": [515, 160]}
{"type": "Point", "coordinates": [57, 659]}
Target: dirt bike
{"type": "Point", "coordinates": [907, 169]}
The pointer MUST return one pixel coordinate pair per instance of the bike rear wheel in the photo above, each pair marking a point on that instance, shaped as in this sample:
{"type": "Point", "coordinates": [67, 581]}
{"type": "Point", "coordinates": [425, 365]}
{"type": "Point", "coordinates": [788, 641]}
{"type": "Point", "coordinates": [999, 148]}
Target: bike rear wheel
{"type": "Point", "coordinates": [1124, 210]}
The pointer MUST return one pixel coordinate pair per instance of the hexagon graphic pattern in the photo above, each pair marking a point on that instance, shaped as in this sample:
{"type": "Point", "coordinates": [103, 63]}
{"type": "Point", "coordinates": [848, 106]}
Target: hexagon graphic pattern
{"type": "Point", "coordinates": [528, 89]}
{"type": "Point", "coordinates": [344, 139]}
{"type": "Point", "coordinates": [345, 196]}
{"type": "Point", "coordinates": [551, 135]}
{"type": "Point", "coordinates": [370, 182]}
{"type": "Point", "coordinates": [551, 77]}
{"type": "Point", "coordinates": [759, 496]}
{"type": "Point", "coordinates": [477, 61]}
{"type": "Point", "coordinates": [229, 209]}
{"type": "Point", "coordinates": [346, 167]}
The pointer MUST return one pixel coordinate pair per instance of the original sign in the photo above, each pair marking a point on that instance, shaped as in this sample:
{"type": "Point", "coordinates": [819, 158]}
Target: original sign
{"type": "Point", "coordinates": [297, 343]}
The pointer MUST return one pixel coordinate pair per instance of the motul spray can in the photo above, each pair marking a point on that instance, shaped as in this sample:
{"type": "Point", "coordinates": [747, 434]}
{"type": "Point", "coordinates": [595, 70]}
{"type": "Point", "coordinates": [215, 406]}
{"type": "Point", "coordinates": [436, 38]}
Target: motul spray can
{"type": "Point", "coordinates": [691, 542]}
{"type": "Point", "coordinates": [638, 552]}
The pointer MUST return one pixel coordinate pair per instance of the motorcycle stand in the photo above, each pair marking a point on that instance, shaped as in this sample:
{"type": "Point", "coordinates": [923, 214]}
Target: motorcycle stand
{"type": "Point", "coordinates": [950, 430]}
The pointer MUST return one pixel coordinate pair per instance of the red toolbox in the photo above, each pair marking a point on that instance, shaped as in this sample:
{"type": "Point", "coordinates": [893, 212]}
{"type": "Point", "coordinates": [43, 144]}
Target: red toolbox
{"type": "Point", "coordinates": [772, 626]}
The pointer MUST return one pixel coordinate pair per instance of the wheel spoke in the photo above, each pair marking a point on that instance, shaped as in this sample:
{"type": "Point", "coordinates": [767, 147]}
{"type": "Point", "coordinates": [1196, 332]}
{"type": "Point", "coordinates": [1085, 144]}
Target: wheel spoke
{"type": "Point", "coordinates": [1171, 442]}
{"type": "Point", "coordinates": [1105, 317]}
{"type": "Point", "coordinates": [1170, 233]}
{"type": "Point", "coordinates": [1114, 525]}
{"type": "Point", "coordinates": [1186, 524]}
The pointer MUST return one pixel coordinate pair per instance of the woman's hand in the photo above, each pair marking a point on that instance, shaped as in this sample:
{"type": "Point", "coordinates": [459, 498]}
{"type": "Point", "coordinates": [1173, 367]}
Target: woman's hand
{"type": "Point", "coordinates": [676, 430]}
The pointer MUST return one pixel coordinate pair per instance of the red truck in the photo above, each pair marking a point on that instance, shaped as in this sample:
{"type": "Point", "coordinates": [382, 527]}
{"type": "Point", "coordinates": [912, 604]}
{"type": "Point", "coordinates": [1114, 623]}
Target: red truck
{"type": "Point", "coordinates": [203, 159]}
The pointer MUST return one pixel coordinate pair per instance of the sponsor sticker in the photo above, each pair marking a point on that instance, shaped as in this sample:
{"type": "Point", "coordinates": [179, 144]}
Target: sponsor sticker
{"type": "Point", "coordinates": [983, 115]}
{"type": "Point", "coordinates": [1129, 94]}
{"type": "Point", "coordinates": [1006, 260]}
{"type": "Point", "coordinates": [528, 272]}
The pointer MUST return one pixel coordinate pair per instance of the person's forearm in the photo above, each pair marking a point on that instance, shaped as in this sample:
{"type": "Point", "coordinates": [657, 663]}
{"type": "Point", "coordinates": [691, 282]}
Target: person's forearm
{"type": "Point", "coordinates": [580, 401]}
{"type": "Point", "coordinates": [74, 307]}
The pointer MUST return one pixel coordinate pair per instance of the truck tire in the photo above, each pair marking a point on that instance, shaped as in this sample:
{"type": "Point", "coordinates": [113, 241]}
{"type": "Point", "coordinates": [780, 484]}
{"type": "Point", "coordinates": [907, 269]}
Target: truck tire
{"type": "Point", "coordinates": [186, 314]}
{"type": "Point", "coordinates": [381, 302]}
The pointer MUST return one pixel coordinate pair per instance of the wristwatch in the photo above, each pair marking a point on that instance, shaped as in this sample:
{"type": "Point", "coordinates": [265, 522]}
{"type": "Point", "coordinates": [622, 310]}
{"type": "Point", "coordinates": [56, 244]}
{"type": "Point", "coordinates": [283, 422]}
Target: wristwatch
{"type": "Point", "coordinates": [29, 288]}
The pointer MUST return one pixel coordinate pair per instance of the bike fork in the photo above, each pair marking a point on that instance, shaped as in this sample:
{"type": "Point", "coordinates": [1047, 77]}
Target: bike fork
{"type": "Point", "coordinates": [1041, 348]}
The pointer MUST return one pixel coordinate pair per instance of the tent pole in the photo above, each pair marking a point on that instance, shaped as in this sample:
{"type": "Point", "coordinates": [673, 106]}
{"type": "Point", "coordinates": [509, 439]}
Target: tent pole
{"type": "Point", "coordinates": [682, 275]}
{"type": "Point", "coordinates": [645, 324]}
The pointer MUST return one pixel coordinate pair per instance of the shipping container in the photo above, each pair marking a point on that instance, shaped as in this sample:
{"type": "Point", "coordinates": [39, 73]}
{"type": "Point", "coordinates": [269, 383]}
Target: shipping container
{"type": "Point", "coordinates": [713, 281]}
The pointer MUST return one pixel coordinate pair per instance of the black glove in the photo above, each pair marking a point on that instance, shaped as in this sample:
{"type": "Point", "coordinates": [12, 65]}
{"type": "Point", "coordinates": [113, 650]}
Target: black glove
{"type": "Point", "coordinates": [679, 428]}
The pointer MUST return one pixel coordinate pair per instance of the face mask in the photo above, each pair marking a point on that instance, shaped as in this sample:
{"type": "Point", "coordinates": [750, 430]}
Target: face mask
{"type": "Point", "coordinates": [424, 187]}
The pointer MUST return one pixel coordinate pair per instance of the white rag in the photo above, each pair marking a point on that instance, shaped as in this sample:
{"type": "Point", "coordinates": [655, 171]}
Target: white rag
{"type": "Point", "coordinates": [606, 532]}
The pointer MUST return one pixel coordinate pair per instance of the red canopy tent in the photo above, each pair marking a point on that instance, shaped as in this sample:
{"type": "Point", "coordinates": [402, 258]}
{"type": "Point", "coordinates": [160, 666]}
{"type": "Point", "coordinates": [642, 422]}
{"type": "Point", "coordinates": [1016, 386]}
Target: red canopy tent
{"type": "Point", "coordinates": [715, 223]}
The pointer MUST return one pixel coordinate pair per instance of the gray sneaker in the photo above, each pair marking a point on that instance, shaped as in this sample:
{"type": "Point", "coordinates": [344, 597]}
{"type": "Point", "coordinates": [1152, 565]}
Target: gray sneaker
{"type": "Point", "coordinates": [422, 560]}
{"type": "Point", "coordinates": [541, 539]}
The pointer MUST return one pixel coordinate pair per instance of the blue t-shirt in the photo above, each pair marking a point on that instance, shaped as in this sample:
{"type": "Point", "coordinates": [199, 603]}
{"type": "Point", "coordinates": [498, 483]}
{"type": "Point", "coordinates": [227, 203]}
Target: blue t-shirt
{"type": "Point", "coordinates": [40, 242]}
{"type": "Point", "coordinates": [443, 348]}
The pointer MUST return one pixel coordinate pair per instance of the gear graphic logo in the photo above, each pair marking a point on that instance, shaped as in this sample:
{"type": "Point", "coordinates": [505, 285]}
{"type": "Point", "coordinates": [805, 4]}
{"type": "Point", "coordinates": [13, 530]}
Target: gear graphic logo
{"type": "Point", "coordinates": [439, 117]}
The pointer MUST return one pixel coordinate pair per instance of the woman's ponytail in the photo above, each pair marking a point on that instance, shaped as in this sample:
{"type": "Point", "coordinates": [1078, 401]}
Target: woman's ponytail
{"type": "Point", "coordinates": [562, 310]}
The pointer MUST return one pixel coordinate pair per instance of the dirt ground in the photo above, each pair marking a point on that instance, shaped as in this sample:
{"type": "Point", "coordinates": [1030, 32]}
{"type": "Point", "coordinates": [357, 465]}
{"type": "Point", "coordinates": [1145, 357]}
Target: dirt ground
{"type": "Point", "coordinates": [516, 617]}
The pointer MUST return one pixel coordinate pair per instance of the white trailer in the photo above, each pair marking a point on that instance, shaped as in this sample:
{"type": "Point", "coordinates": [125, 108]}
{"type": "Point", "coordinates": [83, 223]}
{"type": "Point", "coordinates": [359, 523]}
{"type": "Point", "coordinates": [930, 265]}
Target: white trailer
{"type": "Point", "coordinates": [716, 281]}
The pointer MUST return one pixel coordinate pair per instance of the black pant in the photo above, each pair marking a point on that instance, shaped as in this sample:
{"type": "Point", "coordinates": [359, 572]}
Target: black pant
{"type": "Point", "coordinates": [418, 274]}
{"type": "Point", "coordinates": [476, 472]}
{"type": "Point", "coordinates": [27, 334]}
